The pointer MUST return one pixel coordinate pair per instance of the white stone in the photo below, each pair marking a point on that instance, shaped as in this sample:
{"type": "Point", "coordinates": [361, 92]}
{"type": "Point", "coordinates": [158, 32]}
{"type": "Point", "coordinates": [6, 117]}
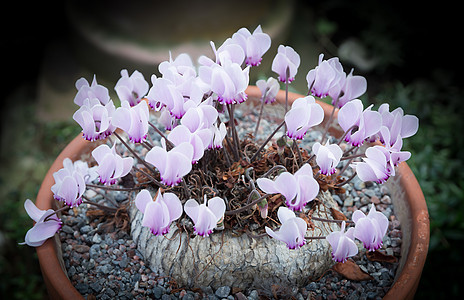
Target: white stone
{"type": "Point", "coordinates": [225, 259]}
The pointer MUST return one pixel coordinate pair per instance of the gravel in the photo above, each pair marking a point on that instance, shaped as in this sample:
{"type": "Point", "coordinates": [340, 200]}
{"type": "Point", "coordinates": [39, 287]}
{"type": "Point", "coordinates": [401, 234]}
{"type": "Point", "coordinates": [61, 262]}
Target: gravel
{"type": "Point", "coordinates": [108, 265]}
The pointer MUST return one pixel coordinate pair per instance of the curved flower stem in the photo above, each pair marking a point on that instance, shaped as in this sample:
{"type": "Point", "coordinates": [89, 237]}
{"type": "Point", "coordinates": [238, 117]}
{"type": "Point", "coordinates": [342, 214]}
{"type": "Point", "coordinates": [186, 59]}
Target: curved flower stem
{"type": "Point", "coordinates": [186, 189]}
{"type": "Point", "coordinates": [104, 207]}
{"type": "Point", "coordinates": [353, 156]}
{"type": "Point", "coordinates": [267, 140]}
{"type": "Point", "coordinates": [297, 150]}
{"type": "Point", "coordinates": [112, 201]}
{"type": "Point", "coordinates": [260, 112]}
{"type": "Point", "coordinates": [273, 169]}
{"type": "Point", "coordinates": [230, 109]}
{"type": "Point", "coordinates": [331, 221]}
{"type": "Point", "coordinates": [156, 182]}
{"type": "Point", "coordinates": [133, 152]}
{"type": "Point", "coordinates": [56, 212]}
{"type": "Point", "coordinates": [110, 188]}
{"type": "Point", "coordinates": [329, 121]}
{"type": "Point", "coordinates": [347, 164]}
{"type": "Point", "coordinates": [345, 133]}
{"type": "Point", "coordinates": [349, 150]}
{"type": "Point", "coordinates": [243, 208]}
{"type": "Point", "coordinates": [346, 181]}
{"type": "Point", "coordinates": [247, 175]}
{"type": "Point", "coordinates": [161, 134]}
{"type": "Point", "coordinates": [287, 75]}
{"type": "Point", "coordinates": [147, 145]}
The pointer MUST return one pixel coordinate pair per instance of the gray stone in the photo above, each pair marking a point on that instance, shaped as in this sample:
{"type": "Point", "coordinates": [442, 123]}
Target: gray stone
{"type": "Point", "coordinates": [188, 296]}
{"type": "Point", "coordinates": [110, 292]}
{"type": "Point", "coordinates": [71, 271]}
{"type": "Point", "coordinates": [223, 291]}
{"type": "Point", "coordinates": [67, 229]}
{"type": "Point", "coordinates": [348, 202]}
{"type": "Point", "coordinates": [124, 262]}
{"type": "Point", "coordinates": [253, 295]}
{"type": "Point", "coordinates": [96, 287]}
{"type": "Point", "coordinates": [120, 197]}
{"type": "Point", "coordinates": [86, 229]}
{"type": "Point", "coordinates": [96, 239]}
{"type": "Point", "coordinates": [82, 288]}
{"type": "Point", "coordinates": [158, 291]}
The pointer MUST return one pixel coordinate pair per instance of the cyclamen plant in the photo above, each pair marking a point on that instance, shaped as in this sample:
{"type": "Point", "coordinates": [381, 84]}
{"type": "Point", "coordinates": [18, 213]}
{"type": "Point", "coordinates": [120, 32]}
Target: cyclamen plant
{"type": "Point", "coordinates": [192, 104]}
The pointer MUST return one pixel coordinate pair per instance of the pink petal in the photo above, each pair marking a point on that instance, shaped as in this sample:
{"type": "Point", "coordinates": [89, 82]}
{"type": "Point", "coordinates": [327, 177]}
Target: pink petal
{"type": "Point", "coordinates": [158, 158]}
{"type": "Point", "coordinates": [142, 199]}
{"type": "Point", "coordinates": [217, 207]}
{"type": "Point", "coordinates": [32, 210]}
{"type": "Point", "coordinates": [287, 185]}
{"type": "Point", "coordinates": [174, 206]}
{"type": "Point", "coordinates": [266, 185]}
{"type": "Point", "coordinates": [192, 209]}
{"type": "Point", "coordinates": [284, 214]}
{"type": "Point", "coordinates": [409, 126]}
{"type": "Point", "coordinates": [350, 114]}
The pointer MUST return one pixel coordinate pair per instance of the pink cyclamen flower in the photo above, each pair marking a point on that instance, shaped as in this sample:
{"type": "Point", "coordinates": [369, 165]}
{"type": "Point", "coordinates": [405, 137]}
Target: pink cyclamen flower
{"type": "Point", "coordinates": [219, 133]}
{"type": "Point", "coordinates": [305, 113]}
{"type": "Point", "coordinates": [358, 124]}
{"type": "Point", "coordinates": [47, 224]}
{"type": "Point", "coordinates": [94, 91]}
{"type": "Point", "coordinates": [327, 157]}
{"type": "Point", "coordinates": [179, 70]}
{"type": "Point", "coordinates": [370, 229]}
{"type": "Point", "coordinates": [158, 213]}
{"type": "Point", "coordinates": [174, 164]}
{"type": "Point", "coordinates": [69, 184]}
{"type": "Point", "coordinates": [133, 120]}
{"type": "Point", "coordinates": [254, 45]}
{"type": "Point", "coordinates": [348, 89]}
{"type": "Point", "coordinates": [298, 189]}
{"type": "Point", "coordinates": [228, 81]}
{"type": "Point", "coordinates": [111, 166]}
{"type": "Point", "coordinates": [286, 61]}
{"type": "Point", "coordinates": [199, 139]}
{"type": "Point", "coordinates": [343, 245]}
{"type": "Point", "coordinates": [293, 229]}
{"type": "Point", "coordinates": [131, 88]}
{"type": "Point", "coordinates": [374, 166]}
{"type": "Point", "coordinates": [399, 125]}
{"type": "Point", "coordinates": [95, 119]}
{"type": "Point", "coordinates": [164, 93]}
{"type": "Point", "coordinates": [392, 151]}
{"type": "Point", "coordinates": [205, 218]}
{"type": "Point", "coordinates": [269, 89]}
{"type": "Point", "coordinates": [327, 75]}
{"type": "Point", "coordinates": [199, 117]}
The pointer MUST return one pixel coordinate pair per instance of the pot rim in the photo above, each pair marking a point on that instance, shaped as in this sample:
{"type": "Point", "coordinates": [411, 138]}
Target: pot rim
{"type": "Point", "coordinates": [60, 287]}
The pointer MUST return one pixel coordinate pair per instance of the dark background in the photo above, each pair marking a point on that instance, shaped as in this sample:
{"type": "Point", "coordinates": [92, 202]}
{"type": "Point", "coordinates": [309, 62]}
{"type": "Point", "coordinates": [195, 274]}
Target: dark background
{"type": "Point", "coordinates": [417, 53]}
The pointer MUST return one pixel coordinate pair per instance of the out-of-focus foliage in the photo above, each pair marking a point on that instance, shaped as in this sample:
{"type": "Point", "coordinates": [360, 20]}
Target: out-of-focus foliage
{"type": "Point", "coordinates": [437, 162]}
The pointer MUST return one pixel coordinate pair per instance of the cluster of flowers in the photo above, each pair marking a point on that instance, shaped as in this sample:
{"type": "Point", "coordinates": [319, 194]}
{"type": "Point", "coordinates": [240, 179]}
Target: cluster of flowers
{"type": "Point", "coordinates": [190, 101]}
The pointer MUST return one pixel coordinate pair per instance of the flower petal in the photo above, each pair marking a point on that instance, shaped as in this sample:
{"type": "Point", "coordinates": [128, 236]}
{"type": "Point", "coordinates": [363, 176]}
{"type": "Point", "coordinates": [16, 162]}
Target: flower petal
{"type": "Point", "coordinates": [33, 211]}
{"type": "Point", "coordinates": [142, 199]}
{"type": "Point", "coordinates": [217, 207]}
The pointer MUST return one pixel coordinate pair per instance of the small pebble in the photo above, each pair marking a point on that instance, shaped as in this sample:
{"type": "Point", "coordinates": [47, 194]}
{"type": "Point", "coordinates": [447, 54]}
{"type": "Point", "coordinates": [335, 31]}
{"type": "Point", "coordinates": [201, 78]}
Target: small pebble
{"type": "Point", "coordinates": [223, 291]}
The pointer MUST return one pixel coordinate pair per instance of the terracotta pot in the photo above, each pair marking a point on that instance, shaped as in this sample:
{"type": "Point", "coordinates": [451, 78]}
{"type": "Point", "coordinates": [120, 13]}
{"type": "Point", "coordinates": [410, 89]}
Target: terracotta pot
{"type": "Point", "coordinates": [408, 199]}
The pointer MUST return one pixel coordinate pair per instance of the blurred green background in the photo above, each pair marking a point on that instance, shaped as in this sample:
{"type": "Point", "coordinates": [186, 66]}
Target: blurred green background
{"type": "Point", "coordinates": [408, 53]}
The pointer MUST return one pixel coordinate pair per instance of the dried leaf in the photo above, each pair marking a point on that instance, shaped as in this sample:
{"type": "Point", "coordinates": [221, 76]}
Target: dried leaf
{"type": "Point", "coordinates": [381, 257]}
{"type": "Point", "coordinates": [338, 215]}
{"type": "Point", "coordinates": [350, 270]}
